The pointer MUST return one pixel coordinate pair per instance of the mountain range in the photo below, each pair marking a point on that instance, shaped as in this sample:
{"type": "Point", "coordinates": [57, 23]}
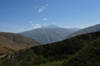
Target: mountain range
{"type": "Point", "coordinates": [10, 42]}
{"type": "Point", "coordinates": [90, 29]}
{"type": "Point", "coordinates": [83, 50]}
{"type": "Point", "coordinates": [51, 26]}
{"type": "Point", "coordinates": [49, 34]}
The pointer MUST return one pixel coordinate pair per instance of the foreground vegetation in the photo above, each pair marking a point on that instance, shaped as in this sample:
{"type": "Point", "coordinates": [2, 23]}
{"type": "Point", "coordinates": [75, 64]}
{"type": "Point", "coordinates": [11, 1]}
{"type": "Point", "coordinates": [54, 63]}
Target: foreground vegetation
{"type": "Point", "coordinates": [83, 50]}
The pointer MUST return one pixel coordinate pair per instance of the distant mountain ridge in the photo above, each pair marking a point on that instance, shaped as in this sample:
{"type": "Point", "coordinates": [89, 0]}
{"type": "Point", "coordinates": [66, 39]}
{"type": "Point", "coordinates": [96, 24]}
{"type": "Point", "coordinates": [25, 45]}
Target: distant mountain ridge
{"type": "Point", "coordinates": [90, 29]}
{"type": "Point", "coordinates": [51, 26]}
{"type": "Point", "coordinates": [11, 42]}
{"type": "Point", "coordinates": [49, 34]}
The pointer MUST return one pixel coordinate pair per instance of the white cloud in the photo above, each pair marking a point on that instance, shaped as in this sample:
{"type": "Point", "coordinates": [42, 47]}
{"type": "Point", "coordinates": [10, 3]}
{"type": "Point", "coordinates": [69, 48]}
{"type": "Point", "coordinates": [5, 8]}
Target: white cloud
{"type": "Point", "coordinates": [45, 19]}
{"type": "Point", "coordinates": [42, 8]}
{"type": "Point", "coordinates": [35, 26]}
{"type": "Point", "coordinates": [31, 22]}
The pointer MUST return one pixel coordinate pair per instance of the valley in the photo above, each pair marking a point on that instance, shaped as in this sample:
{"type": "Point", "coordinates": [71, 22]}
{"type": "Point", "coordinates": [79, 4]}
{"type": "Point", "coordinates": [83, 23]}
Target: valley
{"type": "Point", "coordinates": [49, 32]}
{"type": "Point", "coordinates": [64, 51]}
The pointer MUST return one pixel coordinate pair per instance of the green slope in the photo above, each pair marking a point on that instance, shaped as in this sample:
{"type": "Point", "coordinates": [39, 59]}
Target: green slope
{"type": "Point", "coordinates": [88, 56]}
{"type": "Point", "coordinates": [54, 53]}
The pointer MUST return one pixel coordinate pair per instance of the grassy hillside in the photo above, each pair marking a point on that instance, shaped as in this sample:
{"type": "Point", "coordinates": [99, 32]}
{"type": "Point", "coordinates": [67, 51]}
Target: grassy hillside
{"type": "Point", "coordinates": [11, 42]}
{"type": "Point", "coordinates": [63, 51]}
{"type": "Point", "coordinates": [48, 35]}
{"type": "Point", "coordinates": [88, 56]}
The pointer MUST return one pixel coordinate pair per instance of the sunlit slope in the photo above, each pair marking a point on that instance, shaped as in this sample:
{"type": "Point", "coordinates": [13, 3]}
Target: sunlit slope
{"type": "Point", "coordinates": [11, 42]}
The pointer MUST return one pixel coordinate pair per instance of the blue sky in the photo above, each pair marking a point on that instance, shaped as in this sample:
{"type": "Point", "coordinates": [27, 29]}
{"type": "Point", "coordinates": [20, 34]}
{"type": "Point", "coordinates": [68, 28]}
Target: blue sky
{"type": "Point", "coordinates": [23, 15]}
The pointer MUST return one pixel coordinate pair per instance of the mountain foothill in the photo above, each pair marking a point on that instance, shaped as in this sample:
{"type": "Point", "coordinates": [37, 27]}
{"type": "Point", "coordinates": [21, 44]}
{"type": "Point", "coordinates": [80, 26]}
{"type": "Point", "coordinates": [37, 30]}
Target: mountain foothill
{"type": "Point", "coordinates": [78, 48]}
